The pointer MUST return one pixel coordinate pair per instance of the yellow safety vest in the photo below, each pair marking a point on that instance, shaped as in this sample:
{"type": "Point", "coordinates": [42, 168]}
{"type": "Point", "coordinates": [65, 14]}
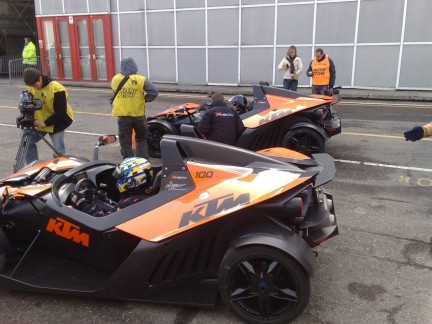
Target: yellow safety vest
{"type": "Point", "coordinates": [46, 95]}
{"type": "Point", "coordinates": [130, 100]}
{"type": "Point", "coordinates": [29, 54]}
{"type": "Point", "coordinates": [321, 71]}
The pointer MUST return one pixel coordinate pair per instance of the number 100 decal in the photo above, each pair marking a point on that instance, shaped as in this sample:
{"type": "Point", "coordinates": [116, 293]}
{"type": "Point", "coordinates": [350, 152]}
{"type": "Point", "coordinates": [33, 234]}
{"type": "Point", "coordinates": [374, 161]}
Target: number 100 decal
{"type": "Point", "coordinates": [203, 174]}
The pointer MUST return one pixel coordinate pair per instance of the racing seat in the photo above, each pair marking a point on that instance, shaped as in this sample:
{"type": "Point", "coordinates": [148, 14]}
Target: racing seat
{"type": "Point", "coordinates": [191, 131]}
{"type": "Point", "coordinates": [65, 191]}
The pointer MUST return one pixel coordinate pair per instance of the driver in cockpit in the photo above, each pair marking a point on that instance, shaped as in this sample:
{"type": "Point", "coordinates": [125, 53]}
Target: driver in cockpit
{"type": "Point", "coordinates": [134, 182]}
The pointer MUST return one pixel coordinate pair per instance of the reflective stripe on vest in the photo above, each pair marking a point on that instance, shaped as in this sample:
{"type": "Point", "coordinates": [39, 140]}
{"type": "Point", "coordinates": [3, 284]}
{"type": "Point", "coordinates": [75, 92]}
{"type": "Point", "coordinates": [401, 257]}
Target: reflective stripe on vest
{"type": "Point", "coordinates": [29, 54]}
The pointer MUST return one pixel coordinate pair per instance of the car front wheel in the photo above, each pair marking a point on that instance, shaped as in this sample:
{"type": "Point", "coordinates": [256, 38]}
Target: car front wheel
{"type": "Point", "coordinates": [155, 134]}
{"type": "Point", "coordinates": [304, 140]}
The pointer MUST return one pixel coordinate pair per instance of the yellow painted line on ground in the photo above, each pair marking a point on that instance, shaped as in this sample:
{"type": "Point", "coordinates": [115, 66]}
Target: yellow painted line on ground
{"type": "Point", "coordinates": [89, 90]}
{"type": "Point", "coordinates": [75, 112]}
{"type": "Point", "coordinates": [385, 105]}
{"type": "Point", "coordinates": [69, 88]}
{"type": "Point", "coordinates": [380, 136]}
{"type": "Point", "coordinates": [92, 113]}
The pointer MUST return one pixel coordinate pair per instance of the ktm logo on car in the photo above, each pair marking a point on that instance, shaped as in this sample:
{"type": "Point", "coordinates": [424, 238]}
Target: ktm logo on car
{"type": "Point", "coordinates": [213, 207]}
{"type": "Point", "coordinates": [68, 231]}
{"type": "Point", "coordinates": [274, 116]}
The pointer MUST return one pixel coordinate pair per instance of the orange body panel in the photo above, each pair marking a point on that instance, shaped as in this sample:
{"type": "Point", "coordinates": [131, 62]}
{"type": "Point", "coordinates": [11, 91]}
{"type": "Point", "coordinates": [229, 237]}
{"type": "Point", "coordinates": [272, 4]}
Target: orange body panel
{"type": "Point", "coordinates": [30, 190]}
{"type": "Point", "coordinates": [281, 107]}
{"type": "Point", "coordinates": [283, 153]}
{"type": "Point", "coordinates": [56, 165]}
{"type": "Point", "coordinates": [219, 191]}
{"type": "Point", "coordinates": [191, 107]}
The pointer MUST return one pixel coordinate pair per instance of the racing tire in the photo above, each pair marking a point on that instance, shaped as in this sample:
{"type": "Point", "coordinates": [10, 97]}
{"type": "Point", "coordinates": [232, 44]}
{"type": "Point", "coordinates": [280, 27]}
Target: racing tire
{"type": "Point", "coordinates": [304, 140]}
{"type": "Point", "coordinates": [155, 134]}
{"type": "Point", "coordinates": [261, 284]}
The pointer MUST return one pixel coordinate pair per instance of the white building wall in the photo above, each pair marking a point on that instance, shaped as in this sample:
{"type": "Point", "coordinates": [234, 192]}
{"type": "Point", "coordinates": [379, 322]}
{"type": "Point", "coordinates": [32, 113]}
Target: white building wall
{"type": "Point", "coordinates": [373, 43]}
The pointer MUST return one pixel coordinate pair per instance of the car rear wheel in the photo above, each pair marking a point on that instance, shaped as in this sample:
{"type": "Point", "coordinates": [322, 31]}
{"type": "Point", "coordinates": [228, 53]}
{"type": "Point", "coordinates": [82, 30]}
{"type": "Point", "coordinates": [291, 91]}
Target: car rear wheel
{"type": "Point", "coordinates": [304, 140]}
{"type": "Point", "coordinates": [156, 132]}
{"type": "Point", "coordinates": [261, 284]}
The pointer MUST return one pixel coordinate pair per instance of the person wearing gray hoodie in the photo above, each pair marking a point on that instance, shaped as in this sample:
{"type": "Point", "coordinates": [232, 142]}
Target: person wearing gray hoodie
{"type": "Point", "coordinates": [129, 107]}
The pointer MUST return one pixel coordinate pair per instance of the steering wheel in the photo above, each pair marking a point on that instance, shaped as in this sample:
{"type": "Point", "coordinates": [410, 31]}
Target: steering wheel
{"type": "Point", "coordinates": [203, 108]}
{"type": "Point", "coordinates": [88, 190]}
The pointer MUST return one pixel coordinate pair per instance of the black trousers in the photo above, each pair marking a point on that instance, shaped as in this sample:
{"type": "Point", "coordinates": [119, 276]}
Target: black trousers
{"type": "Point", "coordinates": [139, 125]}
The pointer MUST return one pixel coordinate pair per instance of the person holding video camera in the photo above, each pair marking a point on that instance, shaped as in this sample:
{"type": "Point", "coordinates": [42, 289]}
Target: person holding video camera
{"type": "Point", "coordinates": [55, 114]}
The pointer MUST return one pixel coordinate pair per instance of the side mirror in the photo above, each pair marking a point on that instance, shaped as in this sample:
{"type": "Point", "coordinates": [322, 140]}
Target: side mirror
{"type": "Point", "coordinates": [107, 139]}
{"type": "Point", "coordinates": [336, 90]}
{"type": "Point", "coordinates": [4, 197]}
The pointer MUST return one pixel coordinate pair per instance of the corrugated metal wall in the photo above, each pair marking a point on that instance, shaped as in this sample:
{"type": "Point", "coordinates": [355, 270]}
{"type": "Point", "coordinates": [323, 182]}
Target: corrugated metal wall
{"type": "Point", "coordinates": [374, 43]}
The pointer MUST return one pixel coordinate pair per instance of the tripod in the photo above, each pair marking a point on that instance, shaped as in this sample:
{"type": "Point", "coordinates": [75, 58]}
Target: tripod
{"type": "Point", "coordinates": [26, 135]}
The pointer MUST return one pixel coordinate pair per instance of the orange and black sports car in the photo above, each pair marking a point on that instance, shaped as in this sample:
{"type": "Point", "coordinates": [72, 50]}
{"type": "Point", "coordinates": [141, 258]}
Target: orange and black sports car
{"type": "Point", "coordinates": [276, 117]}
{"type": "Point", "coordinates": [222, 221]}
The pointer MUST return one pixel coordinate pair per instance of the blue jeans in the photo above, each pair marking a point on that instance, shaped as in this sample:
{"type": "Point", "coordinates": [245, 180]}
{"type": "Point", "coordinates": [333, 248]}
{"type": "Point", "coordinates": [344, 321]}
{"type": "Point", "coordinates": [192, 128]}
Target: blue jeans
{"type": "Point", "coordinates": [57, 140]}
{"type": "Point", "coordinates": [319, 89]}
{"type": "Point", "coordinates": [290, 84]}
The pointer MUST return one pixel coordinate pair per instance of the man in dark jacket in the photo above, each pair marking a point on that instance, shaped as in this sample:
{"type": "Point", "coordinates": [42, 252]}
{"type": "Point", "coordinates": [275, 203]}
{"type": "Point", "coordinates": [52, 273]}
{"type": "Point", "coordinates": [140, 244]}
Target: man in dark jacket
{"type": "Point", "coordinates": [55, 116]}
{"type": "Point", "coordinates": [221, 123]}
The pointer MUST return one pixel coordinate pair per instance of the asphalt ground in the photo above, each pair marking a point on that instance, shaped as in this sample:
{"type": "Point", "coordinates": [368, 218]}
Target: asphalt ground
{"type": "Point", "coordinates": [378, 270]}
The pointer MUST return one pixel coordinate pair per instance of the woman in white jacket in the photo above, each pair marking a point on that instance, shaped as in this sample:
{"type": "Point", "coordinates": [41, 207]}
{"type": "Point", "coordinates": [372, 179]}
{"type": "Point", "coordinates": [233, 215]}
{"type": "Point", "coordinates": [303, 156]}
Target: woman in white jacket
{"type": "Point", "coordinates": [292, 66]}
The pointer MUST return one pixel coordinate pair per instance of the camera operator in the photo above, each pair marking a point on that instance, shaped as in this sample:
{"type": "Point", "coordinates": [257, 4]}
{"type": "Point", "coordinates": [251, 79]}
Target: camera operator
{"type": "Point", "coordinates": [55, 116]}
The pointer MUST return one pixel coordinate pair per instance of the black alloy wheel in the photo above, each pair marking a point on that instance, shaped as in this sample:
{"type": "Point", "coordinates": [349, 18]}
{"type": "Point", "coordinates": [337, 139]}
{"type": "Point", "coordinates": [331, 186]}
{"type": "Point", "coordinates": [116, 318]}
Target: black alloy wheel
{"type": "Point", "coordinates": [261, 284]}
{"type": "Point", "coordinates": [155, 134]}
{"type": "Point", "coordinates": [304, 140]}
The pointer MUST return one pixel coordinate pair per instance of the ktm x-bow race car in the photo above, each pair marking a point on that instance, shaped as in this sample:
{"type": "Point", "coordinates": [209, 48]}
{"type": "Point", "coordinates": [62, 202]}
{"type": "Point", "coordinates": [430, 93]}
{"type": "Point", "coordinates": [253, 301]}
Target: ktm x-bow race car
{"type": "Point", "coordinates": [276, 117]}
{"type": "Point", "coordinates": [221, 221]}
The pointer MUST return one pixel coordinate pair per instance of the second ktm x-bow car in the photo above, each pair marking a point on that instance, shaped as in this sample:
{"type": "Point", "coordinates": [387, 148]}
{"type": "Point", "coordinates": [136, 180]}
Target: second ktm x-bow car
{"type": "Point", "coordinates": [221, 221]}
{"type": "Point", "coordinates": [276, 117]}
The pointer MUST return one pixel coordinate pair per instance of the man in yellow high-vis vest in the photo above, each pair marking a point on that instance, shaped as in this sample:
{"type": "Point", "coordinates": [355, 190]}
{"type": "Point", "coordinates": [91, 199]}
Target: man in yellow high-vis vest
{"type": "Point", "coordinates": [29, 54]}
{"type": "Point", "coordinates": [323, 73]}
{"type": "Point", "coordinates": [129, 107]}
{"type": "Point", "coordinates": [55, 116]}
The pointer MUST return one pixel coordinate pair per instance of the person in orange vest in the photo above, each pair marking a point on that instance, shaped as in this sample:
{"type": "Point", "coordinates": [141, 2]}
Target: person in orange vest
{"type": "Point", "coordinates": [418, 132]}
{"type": "Point", "coordinates": [323, 73]}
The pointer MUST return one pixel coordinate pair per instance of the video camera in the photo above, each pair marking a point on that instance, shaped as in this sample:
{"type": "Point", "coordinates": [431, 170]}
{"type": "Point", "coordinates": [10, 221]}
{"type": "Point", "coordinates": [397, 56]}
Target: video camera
{"type": "Point", "coordinates": [27, 106]}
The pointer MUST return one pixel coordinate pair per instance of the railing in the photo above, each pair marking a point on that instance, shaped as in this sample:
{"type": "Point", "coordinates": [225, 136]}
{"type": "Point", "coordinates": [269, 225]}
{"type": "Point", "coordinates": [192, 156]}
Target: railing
{"type": "Point", "coordinates": [15, 67]}
{"type": "Point", "coordinates": [4, 61]}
